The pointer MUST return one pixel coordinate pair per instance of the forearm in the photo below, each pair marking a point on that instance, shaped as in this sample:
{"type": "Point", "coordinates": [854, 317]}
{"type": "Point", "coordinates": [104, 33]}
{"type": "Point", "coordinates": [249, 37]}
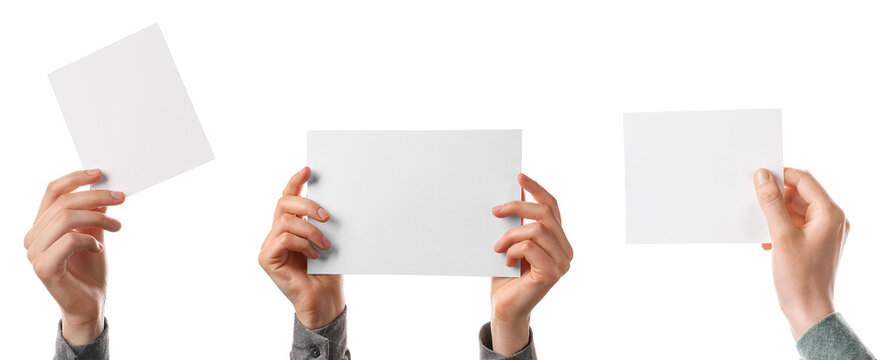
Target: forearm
{"type": "Point", "coordinates": [487, 352]}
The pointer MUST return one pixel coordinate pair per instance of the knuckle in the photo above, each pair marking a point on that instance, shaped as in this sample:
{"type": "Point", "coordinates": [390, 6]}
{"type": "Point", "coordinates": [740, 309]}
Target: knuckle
{"type": "Point", "coordinates": [542, 210]}
{"type": "Point", "coordinates": [836, 213]}
{"type": "Point", "coordinates": [68, 240]}
{"type": "Point", "coordinates": [284, 219]}
{"type": "Point", "coordinates": [43, 272]}
{"type": "Point", "coordinates": [66, 216]}
{"type": "Point", "coordinates": [52, 186]}
{"type": "Point", "coordinates": [538, 228]}
{"type": "Point", "coordinates": [770, 196]}
{"type": "Point", "coordinates": [64, 199]}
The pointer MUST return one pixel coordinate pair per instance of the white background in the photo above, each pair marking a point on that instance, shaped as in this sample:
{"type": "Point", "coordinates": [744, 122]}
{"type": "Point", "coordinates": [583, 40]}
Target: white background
{"type": "Point", "coordinates": [184, 281]}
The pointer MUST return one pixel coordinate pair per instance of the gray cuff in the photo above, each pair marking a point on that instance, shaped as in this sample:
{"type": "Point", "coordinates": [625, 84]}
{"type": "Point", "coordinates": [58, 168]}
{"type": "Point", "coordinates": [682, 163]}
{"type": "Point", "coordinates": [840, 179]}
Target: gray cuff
{"type": "Point", "coordinates": [486, 353]}
{"type": "Point", "coordinates": [96, 350]}
{"type": "Point", "coordinates": [326, 343]}
{"type": "Point", "coordinates": [832, 338]}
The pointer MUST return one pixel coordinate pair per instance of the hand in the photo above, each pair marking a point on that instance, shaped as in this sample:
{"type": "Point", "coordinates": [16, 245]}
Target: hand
{"type": "Point", "coordinates": [65, 246]}
{"type": "Point", "coordinates": [808, 231]}
{"type": "Point", "coordinates": [544, 253]}
{"type": "Point", "coordinates": [317, 299]}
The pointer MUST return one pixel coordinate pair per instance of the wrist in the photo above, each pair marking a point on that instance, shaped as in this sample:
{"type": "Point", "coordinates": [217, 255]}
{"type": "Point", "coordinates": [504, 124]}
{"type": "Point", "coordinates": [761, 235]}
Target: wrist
{"type": "Point", "coordinates": [78, 331]}
{"type": "Point", "coordinates": [510, 335]}
{"type": "Point", "coordinates": [804, 316]}
{"type": "Point", "coordinates": [319, 316]}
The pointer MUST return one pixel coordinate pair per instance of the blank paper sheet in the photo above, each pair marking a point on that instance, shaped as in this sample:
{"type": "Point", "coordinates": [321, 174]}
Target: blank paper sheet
{"type": "Point", "coordinates": [688, 175]}
{"type": "Point", "coordinates": [129, 114]}
{"type": "Point", "coordinates": [414, 202]}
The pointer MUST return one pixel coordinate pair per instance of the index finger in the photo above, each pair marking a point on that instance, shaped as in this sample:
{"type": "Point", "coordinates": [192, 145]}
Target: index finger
{"type": "Point", "coordinates": [67, 184]}
{"type": "Point", "coordinates": [541, 195]}
{"type": "Point", "coordinates": [295, 185]}
{"type": "Point", "coordinates": [807, 186]}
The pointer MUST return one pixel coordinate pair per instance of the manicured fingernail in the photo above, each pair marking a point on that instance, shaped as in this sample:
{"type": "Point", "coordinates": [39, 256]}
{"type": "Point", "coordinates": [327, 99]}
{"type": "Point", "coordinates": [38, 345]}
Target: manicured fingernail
{"type": "Point", "coordinates": [117, 195]}
{"type": "Point", "coordinates": [92, 171]}
{"type": "Point", "coordinates": [497, 208]}
{"type": "Point", "coordinates": [326, 241]}
{"type": "Point", "coordinates": [100, 246]}
{"type": "Point", "coordinates": [762, 177]}
{"type": "Point", "coordinates": [323, 214]}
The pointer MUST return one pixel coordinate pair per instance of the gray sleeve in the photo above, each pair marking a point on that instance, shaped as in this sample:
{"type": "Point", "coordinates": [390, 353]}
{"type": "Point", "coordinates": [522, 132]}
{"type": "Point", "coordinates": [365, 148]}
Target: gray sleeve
{"type": "Point", "coordinates": [96, 350]}
{"type": "Point", "coordinates": [486, 353]}
{"type": "Point", "coordinates": [832, 338]}
{"type": "Point", "coordinates": [326, 343]}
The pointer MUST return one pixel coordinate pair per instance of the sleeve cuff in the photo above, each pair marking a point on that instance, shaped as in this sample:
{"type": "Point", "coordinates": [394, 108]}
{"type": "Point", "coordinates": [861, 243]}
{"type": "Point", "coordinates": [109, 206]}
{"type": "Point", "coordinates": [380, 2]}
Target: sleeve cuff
{"type": "Point", "coordinates": [96, 350]}
{"type": "Point", "coordinates": [486, 352]}
{"type": "Point", "coordinates": [326, 343]}
{"type": "Point", "coordinates": [832, 338]}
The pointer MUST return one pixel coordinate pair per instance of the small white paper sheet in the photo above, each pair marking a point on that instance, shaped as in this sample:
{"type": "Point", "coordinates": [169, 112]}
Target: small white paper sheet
{"type": "Point", "coordinates": [414, 202]}
{"type": "Point", "coordinates": [688, 175]}
{"type": "Point", "coordinates": [128, 113]}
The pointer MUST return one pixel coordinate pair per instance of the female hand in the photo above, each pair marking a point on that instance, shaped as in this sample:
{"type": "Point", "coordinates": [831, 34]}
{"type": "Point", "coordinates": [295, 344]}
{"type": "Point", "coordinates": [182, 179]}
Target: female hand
{"type": "Point", "coordinates": [317, 299]}
{"type": "Point", "coordinates": [544, 253]}
{"type": "Point", "coordinates": [65, 246]}
{"type": "Point", "coordinates": [808, 231]}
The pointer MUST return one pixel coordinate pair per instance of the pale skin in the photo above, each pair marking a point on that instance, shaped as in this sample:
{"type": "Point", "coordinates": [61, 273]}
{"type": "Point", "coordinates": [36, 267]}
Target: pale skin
{"type": "Point", "coordinates": [541, 247]}
{"type": "Point", "coordinates": [317, 299]}
{"type": "Point", "coordinates": [808, 231]}
{"type": "Point", "coordinates": [544, 254]}
{"type": "Point", "coordinates": [66, 248]}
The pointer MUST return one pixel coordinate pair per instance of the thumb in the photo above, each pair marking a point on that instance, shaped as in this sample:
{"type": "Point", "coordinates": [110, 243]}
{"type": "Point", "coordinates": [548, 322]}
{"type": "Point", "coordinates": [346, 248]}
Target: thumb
{"type": "Point", "coordinates": [770, 197]}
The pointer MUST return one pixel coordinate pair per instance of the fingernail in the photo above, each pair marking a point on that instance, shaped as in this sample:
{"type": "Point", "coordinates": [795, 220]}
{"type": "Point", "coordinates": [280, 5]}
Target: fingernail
{"type": "Point", "coordinates": [100, 246]}
{"type": "Point", "coordinates": [323, 214]}
{"type": "Point", "coordinates": [316, 253]}
{"type": "Point", "coordinates": [762, 177]}
{"type": "Point", "coordinates": [497, 208]}
{"type": "Point", "coordinates": [92, 171]}
{"type": "Point", "coordinates": [117, 195]}
{"type": "Point", "coordinates": [326, 241]}
{"type": "Point", "coordinates": [117, 224]}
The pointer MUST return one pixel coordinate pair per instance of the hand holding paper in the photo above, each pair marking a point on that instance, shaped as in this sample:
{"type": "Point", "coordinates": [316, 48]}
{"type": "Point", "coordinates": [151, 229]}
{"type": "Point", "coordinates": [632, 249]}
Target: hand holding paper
{"type": "Point", "coordinates": [66, 247]}
{"type": "Point", "coordinates": [808, 231]}
{"type": "Point", "coordinates": [317, 299]}
{"type": "Point", "coordinates": [544, 253]}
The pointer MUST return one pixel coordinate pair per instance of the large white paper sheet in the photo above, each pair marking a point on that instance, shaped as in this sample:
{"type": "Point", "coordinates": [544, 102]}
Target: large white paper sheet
{"type": "Point", "coordinates": [688, 175]}
{"type": "Point", "coordinates": [414, 202]}
{"type": "Point", "coordinates": [129, 115]}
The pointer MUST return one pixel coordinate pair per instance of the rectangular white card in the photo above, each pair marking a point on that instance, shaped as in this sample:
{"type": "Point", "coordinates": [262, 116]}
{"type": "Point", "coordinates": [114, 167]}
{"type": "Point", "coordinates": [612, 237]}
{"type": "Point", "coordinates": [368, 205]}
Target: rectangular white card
{"type": "Point", "coordinates": [129, 115]}
{"type": "Point", "coordinates": [688, 175]}
{"type": "Point", "coordinates": [414, 202]}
